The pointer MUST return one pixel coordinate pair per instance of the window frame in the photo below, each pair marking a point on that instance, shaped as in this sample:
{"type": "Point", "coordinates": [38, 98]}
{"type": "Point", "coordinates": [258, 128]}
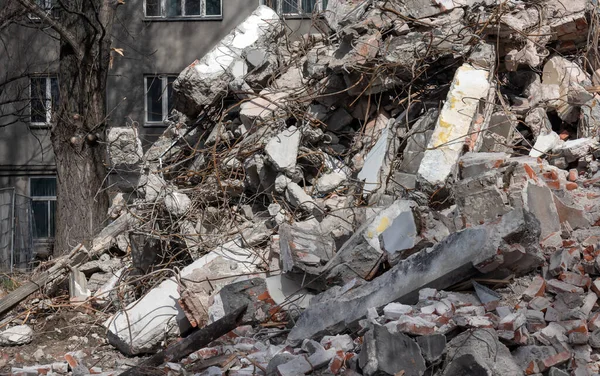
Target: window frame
{"type": "Point", "coordinates": [164, 79]}
{"type": "Point", "coordinates": [300, 14]}
{"type": "Point", "coordinates": [48, 79]}
{"type": "Point", "coordinates": [196, 17]}
{"type": "Point", "coordinates": [43, 199]}
{"type": "Point", "coordinates": [49, 7]}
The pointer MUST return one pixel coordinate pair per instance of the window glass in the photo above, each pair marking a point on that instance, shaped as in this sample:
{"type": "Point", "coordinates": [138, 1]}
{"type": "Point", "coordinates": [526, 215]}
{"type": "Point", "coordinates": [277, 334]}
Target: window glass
{"type": "Point", "coordinates": [324, 4]}
{"type": "Point", "coordinates": [38, 100]}
{"type": "Point", "coordinates": [213, 7]}
{"type": "Point", "coordinates": [54, 93]}
{"type": "Point", "coordinates": [308, 6]}
{"type": "Point", "coordinates": [290, 6]}
{"type": "Point", "coordinates": [192, 7]}
{"type": "Point", "coordinates": [40, 218]}
{"type": "Point", "coordinates": [154, 99]}
{"type": "Point", "coordinates": [173, 8]}
{"type": "Point", "coordinates": [42, 187]}
{"type": "Point", "coordinates": [152, 8]}
{"type": "Point", "coordinates": [170, 105]}
{"type": "Point", "coordinates": [51, 227]}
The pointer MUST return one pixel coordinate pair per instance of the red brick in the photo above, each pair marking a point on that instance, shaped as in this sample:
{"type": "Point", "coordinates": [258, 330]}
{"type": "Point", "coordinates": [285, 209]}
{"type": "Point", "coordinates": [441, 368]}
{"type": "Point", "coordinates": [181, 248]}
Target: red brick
{"type": "Point", "coordinates": [537, 287]}
{"type": "Point", "coordinates": [594, 321]}
{"type": "Point", "coordinates": [571, 186]}
{"type": "Point", "coordinates": [530, 172]}
{"type": "Point", "coordinates": [521, 336]}
{"type": "Point", "coordinates": [575, 279]}
{"type": "Point", "coordinates": [71, 360]}
{"type": "Point", "coordinates": [532, 368]}
{"type": "Point", "coordinates": [553, 184]}
{"type": "Point", "coordinates": [554, 360]}
{"type": "Point", "coordinates": [555, 286]}
{"type": "Point", "coordinates": [512, 322]}
{"type": "Point", "coordinates": [573, 174]}
{"type": "Point", "coordinates": [571, 326]}
{"type": "Point", "coordinates": [338, 361]}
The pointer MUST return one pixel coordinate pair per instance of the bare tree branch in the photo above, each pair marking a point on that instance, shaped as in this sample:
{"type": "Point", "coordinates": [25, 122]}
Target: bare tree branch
{"type": "Point", "coordinates": [59, 28]}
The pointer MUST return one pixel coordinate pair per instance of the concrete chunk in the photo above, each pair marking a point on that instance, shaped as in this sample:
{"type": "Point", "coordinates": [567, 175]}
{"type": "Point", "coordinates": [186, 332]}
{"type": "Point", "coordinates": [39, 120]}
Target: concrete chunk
{"type": "Point", "coordinates": [449, 261]}
{"type": "Point", "coordinates": [282, 150]}
{"type": "Point", "coordinates": [388, 353]}
{"type": "Point", "coordinates": [207, 79]}
{"type": "Point", "coordinates": [446, 144]}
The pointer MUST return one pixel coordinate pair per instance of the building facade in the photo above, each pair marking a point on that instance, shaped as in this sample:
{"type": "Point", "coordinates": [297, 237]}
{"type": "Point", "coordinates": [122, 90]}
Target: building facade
{"type": "Point", "coordinates": [157, 38]}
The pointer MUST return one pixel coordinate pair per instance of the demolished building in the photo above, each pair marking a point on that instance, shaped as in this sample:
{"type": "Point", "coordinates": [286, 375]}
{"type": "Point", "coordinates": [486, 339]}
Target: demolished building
{"type": "Point", "coordinates": [400, 192]}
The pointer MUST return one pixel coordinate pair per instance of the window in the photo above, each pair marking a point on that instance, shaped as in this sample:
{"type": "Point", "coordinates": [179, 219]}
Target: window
{"type": "Point", "coordinates": [183, 8]}
{"type": "Point", "coordinates": [43, 197]}
{"type": "Point", "coordinates": [297, 7]}
{"type": "Point", "coordinates": [44, 96]}
{"type": "Point", "coordinates": [159, 98]}
{"type": "Point", "coordinates": [49, 6]}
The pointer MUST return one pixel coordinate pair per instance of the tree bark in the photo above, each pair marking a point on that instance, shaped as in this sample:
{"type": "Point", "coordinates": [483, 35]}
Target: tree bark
{"type": "Point", "coordinates": [82, 202]}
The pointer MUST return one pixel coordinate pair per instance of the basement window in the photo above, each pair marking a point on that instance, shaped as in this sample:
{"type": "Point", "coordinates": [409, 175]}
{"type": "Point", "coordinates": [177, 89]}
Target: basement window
{"type": "Point", "coordinates": [42, 191]}
{"type": "Point", "coordinates": [44, 97]}
{"type": "Point", "coordinates": [159, 98]}
{"type": "Point", "coordinates": [297, 8]}
{"type": "Point", "coordinates": [180, 9]}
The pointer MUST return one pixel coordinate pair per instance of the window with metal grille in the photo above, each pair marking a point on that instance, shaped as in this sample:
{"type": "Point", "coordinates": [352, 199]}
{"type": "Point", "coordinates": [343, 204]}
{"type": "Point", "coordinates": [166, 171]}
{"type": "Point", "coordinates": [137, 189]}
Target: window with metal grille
{"type": "Point", "coordinates": [44, 98]}
{"type": "Point", "coordinates": [159, 98]}
{"type": "Point", "coordinates": [183, 8]}
{"type": "Point", "coordinates": [42, 191]}
{"type": "Point", "coordinates": [297, 7]}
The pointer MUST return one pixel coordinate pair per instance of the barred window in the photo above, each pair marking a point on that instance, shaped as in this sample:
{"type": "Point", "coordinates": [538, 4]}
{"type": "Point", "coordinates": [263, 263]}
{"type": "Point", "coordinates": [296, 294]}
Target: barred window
{"type": "Point", "coordinates": [183, 8]}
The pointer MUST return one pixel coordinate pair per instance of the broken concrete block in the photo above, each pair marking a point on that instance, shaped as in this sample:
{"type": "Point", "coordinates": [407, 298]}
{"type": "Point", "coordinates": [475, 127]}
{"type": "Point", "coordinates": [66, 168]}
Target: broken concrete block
{"type": "Point", "coordinates": [328, 182]}
{"type": "Point", "coordinates": [177, 203]}
{"type": "Point", "coordinates": [282, 150]}
{"type": "Point", "coordinates": [416, 142]}
{"type": "Point", "coordinates": [394, 311]}
{"type": "Point", "coordinates": [282, 288]}
{"type": "Point", "coordinates": [479, 352]}
{"type": "Point", "coordinates": [499, 133]}
{"type": "Point", "coordinates": [564, 73]}
{"type": "Point", "coordinates": [124, 146]}
{"type": "Point", "coordinates": [253, 293]}
{"type": "Point", "coordinates": [78, 290]}
{"type": "Point", "coordinates": [384, 352]}
{"type": "Point", "coordinates": [297, 198]}
{"type": "Point", "coordinates": [538, 122]}
{"type": "Point", "coordinates": [572, 150]}
{"type": "Point", "coordinates": [207, 79]}
{"type": "Point", "coordinates": [402, 233]}
{"type": "Point", "coordinates": [268, 106]}
{"type": "Point", "coordinates": [338, 120]}
{"type": "Point", "coordinates": [544, 143]}
{"type": "Point", "coordinates": [304, 252]}
{"type": "Point", "coordinates": [141, 326]}
{"type": "Point", "coordinates": [432, 346]}
{"type": "Point", "coordinates": [378, 161]}
{"type": "Point", "coordinates": [447, 262]}
{"type": "Point", "coordinates": [152, 185]}
{"type": "Point", "coordinates": [536, 200]}
{"type": "Point", "coordinates": [343, 12]}
{"type": "Point", "coordinates": [453, 125]}
{"type": "Point", "coordinates": [16, 335]}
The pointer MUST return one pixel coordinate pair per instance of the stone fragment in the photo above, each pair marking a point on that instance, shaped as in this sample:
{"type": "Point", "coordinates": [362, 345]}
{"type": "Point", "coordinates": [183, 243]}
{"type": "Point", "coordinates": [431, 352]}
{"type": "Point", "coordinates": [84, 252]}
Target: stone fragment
{"type": "Point", "coordinates": [177, 203]}
{"type": "Point", "coordinates": [470, 353]}
{"type": "Point", "coordinates": [16, 335]}
{"type": "Point", "coordinates": [536, 201]}
{"type": "Point", "coordinates": [394, 311]}
{"type": "Point", "coordinates": [390, 353]}
{"type": "Point", "coordinates": [78, 290]}
{"type": "Point", "coordinates": [445, 146]}
{"type": "Point", "coordinates": [555, 286]}
{"type": "Point", "coordinates": [300, 199]}
{"type": "Point", "coordinates": [343, 12]}
{"type": "Point", "coordinates": [544, 143]}
{"type": "Point", "coordinates": [536, 288]}
{"type": "Point", "coordinates": [432, 346]}
{"type": "Point", "coordinates": [329, 182]}
{"type": "Point", "coordinates": [538, 122]}
{"type": "Point", "coordinates": [282, 150]}
{"type": "Point", "coordinates": [124, 146]}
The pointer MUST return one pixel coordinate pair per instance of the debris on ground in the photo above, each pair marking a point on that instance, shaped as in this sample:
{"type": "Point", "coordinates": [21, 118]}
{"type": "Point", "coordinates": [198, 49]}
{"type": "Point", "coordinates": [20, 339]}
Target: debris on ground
{"type": "Point", "coordinates": [412, 190]}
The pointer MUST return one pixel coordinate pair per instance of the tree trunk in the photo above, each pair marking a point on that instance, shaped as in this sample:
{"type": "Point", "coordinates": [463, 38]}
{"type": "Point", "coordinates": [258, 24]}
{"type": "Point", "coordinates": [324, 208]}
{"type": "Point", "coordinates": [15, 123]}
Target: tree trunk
{"type": "Point", "coordinates": [82, 202]}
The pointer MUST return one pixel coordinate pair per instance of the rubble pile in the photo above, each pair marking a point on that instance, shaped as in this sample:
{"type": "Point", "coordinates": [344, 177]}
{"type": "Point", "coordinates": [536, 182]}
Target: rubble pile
{"type": "Point", "coordinates": [412, 190]}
